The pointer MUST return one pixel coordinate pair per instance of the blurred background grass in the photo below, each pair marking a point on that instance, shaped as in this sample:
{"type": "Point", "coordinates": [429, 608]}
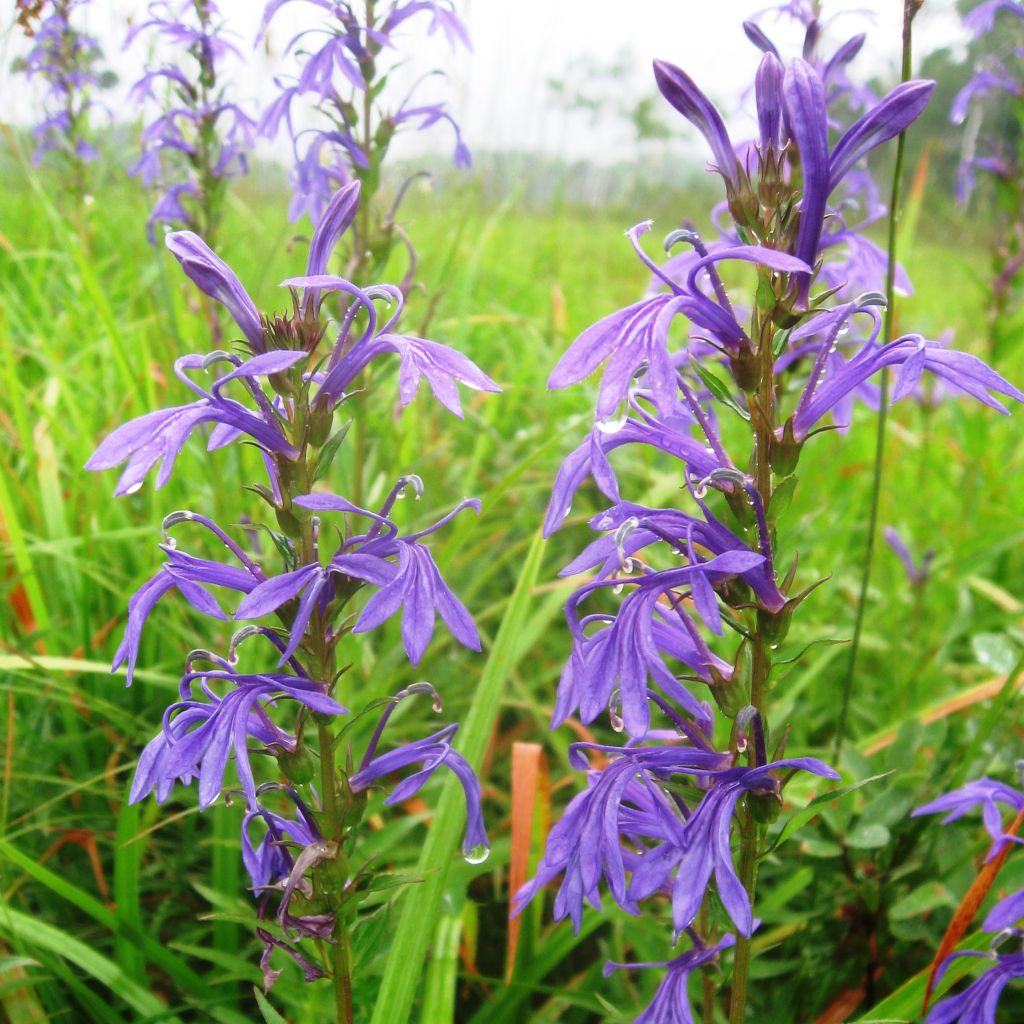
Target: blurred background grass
{"type": "Point", "coordinates": [117, 913]}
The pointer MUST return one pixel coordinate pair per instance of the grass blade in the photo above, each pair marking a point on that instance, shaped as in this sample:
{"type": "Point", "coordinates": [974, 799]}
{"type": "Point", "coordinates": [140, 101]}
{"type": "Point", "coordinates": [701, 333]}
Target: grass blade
{"type": "Point", "coordinates": [408, 950]}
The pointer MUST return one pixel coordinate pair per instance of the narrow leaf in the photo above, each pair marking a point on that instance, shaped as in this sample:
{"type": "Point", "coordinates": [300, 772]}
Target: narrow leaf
{"type": "Point", "coordinates": [408, 950]}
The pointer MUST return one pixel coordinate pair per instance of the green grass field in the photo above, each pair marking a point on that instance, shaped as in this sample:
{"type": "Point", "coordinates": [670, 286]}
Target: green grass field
{"type": "Point", "coordinates": [118, 913]}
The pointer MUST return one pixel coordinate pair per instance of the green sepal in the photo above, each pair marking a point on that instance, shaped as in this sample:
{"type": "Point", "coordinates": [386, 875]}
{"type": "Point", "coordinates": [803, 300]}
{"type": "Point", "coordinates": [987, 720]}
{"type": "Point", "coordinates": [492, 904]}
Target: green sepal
{"type": "Point", "coordinates": [327, 454]}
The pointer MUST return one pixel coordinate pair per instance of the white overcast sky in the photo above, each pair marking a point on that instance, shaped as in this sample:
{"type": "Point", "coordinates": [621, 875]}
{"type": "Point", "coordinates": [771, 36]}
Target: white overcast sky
{"type": "Point", "coordinates": [499, 92]}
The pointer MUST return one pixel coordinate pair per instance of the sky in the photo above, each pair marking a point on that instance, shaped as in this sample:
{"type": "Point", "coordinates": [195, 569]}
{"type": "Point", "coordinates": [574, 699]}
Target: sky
{"type": "Point", "coordinates": [500, 92]}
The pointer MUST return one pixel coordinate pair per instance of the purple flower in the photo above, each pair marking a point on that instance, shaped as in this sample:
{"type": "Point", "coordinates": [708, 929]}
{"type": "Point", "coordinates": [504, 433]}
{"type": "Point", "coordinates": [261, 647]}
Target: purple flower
{"type": "Point", "coordinates": [634, 527]}
{"type": "Point", "coordinates": [916, 575]}
{"type": "Point", "coordinates": [586, 845]}
{"type": "Point", "coordinates": [914, 355]}
{"type": "Point", "coordinates": [591, 458]}
{"type": "Point", "coordinates": [989, 795]}
{"type": "Point", "coordinates": [200, 138]}
{"type": "Point", "coordinates": [681, 91]}
{"type": "Point", "coordinates": [638, 335]}
{"type": "Point", "coordinates": [703, 848]}
{"type": "Point", "coordinates": [332, 77]}
{"type": "Point", "coordinates": [671, 1002]}
{"type": "Point", "coordinates": [1006, 913]}
{"type": "Point", "coordinates": [199, 735]}
{"type": "Point", "coordinates": [67, 60]}
{"type": "Point", "coordinates": [442, 367]}
{"type": "Point", "coordinates": [216, 279]}
{"type": "Point", "coordinates": [158, 437]}
{"type": "Point", "coordinates": [981, 82]}
{"type": "Point", "coordinates": [413, 585]}
{"type": "Point", "coordinates": [624, 802]}
{"type": "Point", "coordinates": [430, 753]}
{"type": "Point", "coordinates": [982, 18]}
{"type": "Point", "coordinates": [977, 1004]}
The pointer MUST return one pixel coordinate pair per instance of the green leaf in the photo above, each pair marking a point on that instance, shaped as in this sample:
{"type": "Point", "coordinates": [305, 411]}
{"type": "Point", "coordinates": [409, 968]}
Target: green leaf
{"type": "Point", "coordinates": [868, 836]}
{"type": "Point", "coordinates": [719, 389]}
{"type": "Point", "coordinates": [442, 973]}
{"type": "Point", "coordinates": [188, 980]}
{"type": "Point", "coordinates": [329, 451]}
{"type": "Point", "coordinates": [270, 1015]}
{"type": "Point", "coordinates": [994, 651]}
{"type": "Point", "coordinates": [27, 929]}
{"type": "Point", "coordinates": [800, 818]}
{"type": "Point", "coordinates": [408, 950]}
{"type": "Point", "coordinates": [782, 497]}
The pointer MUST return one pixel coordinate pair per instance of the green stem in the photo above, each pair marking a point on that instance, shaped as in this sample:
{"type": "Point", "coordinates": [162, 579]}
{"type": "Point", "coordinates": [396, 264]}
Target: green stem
{"type": "Point", "coordinates": [341, 967]}
{"type": "Point", "coordinates": [741, 961]}
{"type": "Point", "coordinates": [910, 8]}
{"type": "Point", "coordinates": [763, 419]}
{"type": "Point", "coordinates": [707, 978]}
{"type": "Point", "coordinates": [332, 876]}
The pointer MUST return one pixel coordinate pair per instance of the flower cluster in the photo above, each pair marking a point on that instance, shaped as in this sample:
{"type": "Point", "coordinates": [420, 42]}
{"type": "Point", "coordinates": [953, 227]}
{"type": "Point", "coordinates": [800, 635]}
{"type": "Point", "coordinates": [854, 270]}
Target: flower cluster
{"type": "Point", "coordinates": [342, 76]}
{"type": "Point", "coordinates": [994, 95]}
{"type": "Point", "coordinates": [199, 139]}
{"type": "Point", "coordinates": [281, 396]}
{"type": "Point", "coordinates": [994, 76]}
{"type": "Point", "coordinates": [68, 61]}
{"type": "Point", "coordinates": [978, 1003]}
{"type": "Point", "coordinates": [727, 396]}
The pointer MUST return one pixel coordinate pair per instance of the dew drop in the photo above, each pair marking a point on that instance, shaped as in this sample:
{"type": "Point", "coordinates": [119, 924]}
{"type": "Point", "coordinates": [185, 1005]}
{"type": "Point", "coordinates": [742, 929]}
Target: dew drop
{"type": "Point", "coordinates": [478, 854]}
{"type": "Point", "coordinates": [612, 424]}
{"type": "Point", "coordinates": [617, 589]}
{"type": "Point", "coordinates": [615, 713]}
{"type": "Point", "coordinates": [134, 489]}
{"type": "Point", "coordinates": [170, 543]}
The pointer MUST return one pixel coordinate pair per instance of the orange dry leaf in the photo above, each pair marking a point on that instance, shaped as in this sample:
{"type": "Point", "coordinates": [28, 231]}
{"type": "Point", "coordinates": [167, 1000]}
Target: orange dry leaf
{"type": "Point", "coordinates": [529, 779]}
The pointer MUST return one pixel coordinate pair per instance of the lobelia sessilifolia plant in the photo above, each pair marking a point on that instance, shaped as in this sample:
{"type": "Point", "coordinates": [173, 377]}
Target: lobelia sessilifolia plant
{"type": "Point", "coordinates": [991, 106]}
{"type": "Point", "coordinates": [344, 67]}
{"type": "Point", "coordinates": [199, 138]}
{"type": "Point", "coordinates": [1003, 962]}
{"type": "Point", "coordinates": [68, 61]}
{"type": "Point", "coordinates": [303, 784]}
{"type": "Point", "coordinates": [686, 603]}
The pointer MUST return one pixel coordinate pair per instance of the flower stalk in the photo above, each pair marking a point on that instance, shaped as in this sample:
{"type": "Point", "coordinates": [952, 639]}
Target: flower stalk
{"type": "Point", "coordinates": [667, 813]}
{"type": "Point", "coordinates": [910, 9]}
{"type": "Point", "coordinates": [306, 871]}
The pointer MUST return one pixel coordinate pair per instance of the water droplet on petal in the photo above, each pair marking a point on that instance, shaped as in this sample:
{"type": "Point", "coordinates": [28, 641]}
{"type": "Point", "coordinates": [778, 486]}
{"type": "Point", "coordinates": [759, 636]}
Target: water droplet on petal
{"type": "Point", "coordinates": [134, 489]}
{"type": "Point", "coordinates": [615, 713]}
{"type": "Point", "coordinates": [612, 424]}
{"type": "Point", "coordinates": [478, 854]}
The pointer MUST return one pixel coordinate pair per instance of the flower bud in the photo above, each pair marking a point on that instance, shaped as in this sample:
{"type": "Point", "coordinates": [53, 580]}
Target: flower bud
{"type": "Point", "coordinates": [746, 370]}
{"type": "Point", "coordinates": [784, 453]}
{"type": "Point", "coordinates": [297, 765]}
{"type": "Point", "coordinates": [730, 692]}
